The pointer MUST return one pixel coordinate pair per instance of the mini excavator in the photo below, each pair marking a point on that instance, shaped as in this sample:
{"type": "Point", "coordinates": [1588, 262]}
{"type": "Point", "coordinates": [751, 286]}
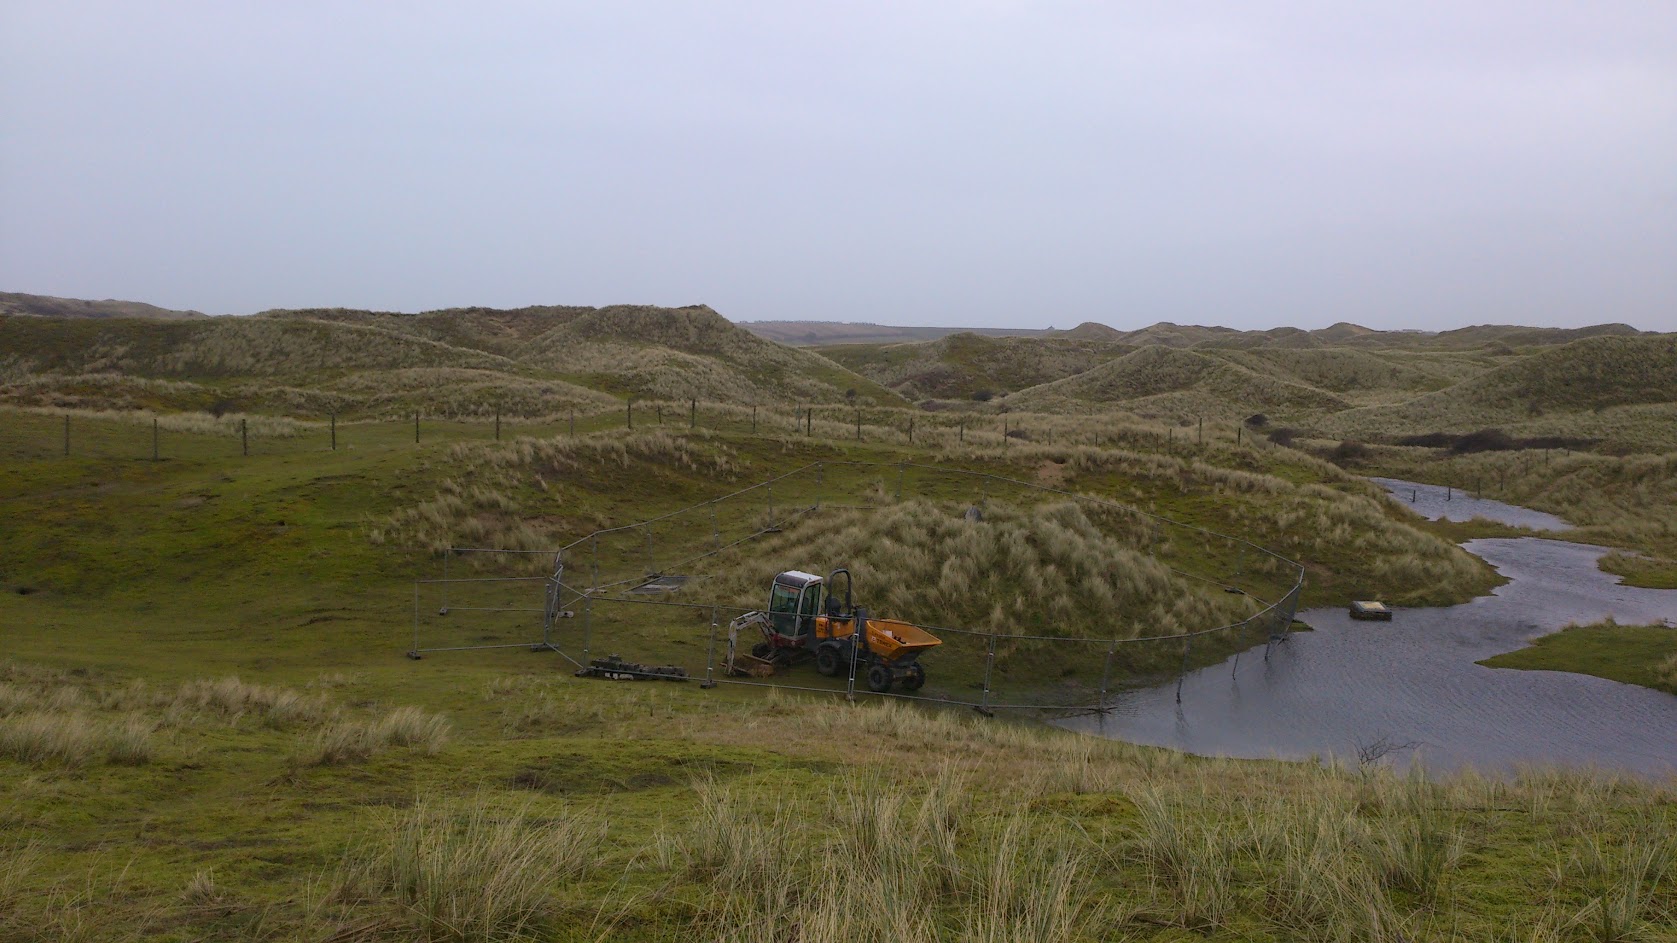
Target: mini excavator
{"type": "Point", "coordinates": [808, 618]}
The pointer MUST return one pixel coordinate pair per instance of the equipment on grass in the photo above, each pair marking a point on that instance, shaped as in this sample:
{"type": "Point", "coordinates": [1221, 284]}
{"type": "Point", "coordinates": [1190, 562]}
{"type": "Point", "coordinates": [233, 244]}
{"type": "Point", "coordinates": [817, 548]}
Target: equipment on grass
{"type": "Point", "coordinates": [807, 618]}
{"type": "Point", "coordinates": [616, 669]}
{"type": "Point", "coordinates": [1368, 609]}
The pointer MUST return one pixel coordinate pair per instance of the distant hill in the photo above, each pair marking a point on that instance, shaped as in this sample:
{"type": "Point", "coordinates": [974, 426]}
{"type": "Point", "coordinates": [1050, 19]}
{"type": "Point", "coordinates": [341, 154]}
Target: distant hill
{"type": "Point", "coordinates": [47, 306]}
{"type": "Point", "coordinates": [677, 353]}
{"type": "Point", "coordinates": [503, 331]}
{"type": "Point", "coordinates": [459, 361]}
{"type": "Point", "coordinates": [1092, 331]}
{"type": "Point", "coordinates": [1585, 376]}
{"type": "Point", "coordinates": [823, 333]}
{"type": "Point", "coordinates": [1177, 384]}
{"type": "Point", "coordinates": [1607, 383]}
{"type": "Point", "coordinates": [966, 365]}
{"type": "Point", "coordinates": [1485, 335]}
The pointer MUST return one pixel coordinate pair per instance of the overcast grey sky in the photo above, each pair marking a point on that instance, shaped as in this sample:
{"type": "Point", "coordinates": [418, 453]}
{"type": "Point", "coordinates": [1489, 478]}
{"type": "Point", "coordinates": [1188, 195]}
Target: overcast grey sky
{"type": "Point", "coordinates": [1416, 164]}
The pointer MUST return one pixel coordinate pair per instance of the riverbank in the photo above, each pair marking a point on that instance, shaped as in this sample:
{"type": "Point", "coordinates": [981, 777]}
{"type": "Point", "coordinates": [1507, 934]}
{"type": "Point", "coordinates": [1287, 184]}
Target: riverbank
{"type": "Point", "coordinates": [1414, 681]}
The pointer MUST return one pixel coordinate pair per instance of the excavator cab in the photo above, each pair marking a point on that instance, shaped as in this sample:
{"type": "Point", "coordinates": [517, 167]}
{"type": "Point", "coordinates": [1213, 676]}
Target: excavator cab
{"type": "Point", "coordinates": [794, 602]}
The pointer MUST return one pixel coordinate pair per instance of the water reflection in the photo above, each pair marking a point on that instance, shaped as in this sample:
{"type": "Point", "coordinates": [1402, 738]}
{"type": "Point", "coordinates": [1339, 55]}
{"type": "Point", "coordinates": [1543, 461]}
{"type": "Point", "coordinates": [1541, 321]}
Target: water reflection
{"type": "Point", "coordinates": [1414, 679]}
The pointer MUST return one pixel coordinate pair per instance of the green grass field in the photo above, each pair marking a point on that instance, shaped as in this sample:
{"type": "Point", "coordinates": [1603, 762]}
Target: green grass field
{"type": "Point", "coordinates": [208, 729]}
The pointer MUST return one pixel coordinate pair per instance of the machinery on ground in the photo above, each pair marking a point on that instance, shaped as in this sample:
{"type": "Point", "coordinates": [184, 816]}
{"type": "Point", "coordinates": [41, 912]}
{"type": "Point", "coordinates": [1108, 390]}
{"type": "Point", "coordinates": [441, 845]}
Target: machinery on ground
{"type": "Point", "coordinates": [807, 618]}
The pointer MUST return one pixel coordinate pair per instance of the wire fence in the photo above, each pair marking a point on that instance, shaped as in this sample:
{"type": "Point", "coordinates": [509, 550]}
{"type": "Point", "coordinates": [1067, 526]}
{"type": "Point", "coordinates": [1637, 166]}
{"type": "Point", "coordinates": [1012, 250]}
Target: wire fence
{"type": "Point", "coordinates": [36, 434]}
{"type": "Point", "coordinates": [642, 593]}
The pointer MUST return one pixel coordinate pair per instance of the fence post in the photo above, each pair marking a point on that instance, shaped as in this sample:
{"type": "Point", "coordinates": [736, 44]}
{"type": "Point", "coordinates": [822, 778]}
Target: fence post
{"type": "Point", "coordinates": [587, 620]}
{"type": "Point", "coordinates": [856, 619]}
{"type": "Point", "coordinates": [154, 438]}
{"type": "Point", "coordinates": [753, 420]}
{"type": "Point", "coordinates": [1202, 430]}
{"type": "Point", "coordinates": [858, 425]}
{"type": "Point", "coordinates": [244, 437]}
{"type": "Point", "coordinates": [556, 583]}
{"type": "Point", "coordinates": [648, 528]}
{"type": "Point", "coordinates": [573, 422]}
{"type": "Point", "coordinates": [819, 468]}
{"type": "Point", "coordinates": [1004, 432]}
{"type": "Point", "coordinates": [631, 414]}
{"type": "Point", "coordinates": [658, 410]}
{"type": "Point", "coordinates": [416, 427]}
{"type": "Point", "coordinates": [693, 415]}
{"type": "Point", "coordinates": [911, 430]}
{"type": "Point", "coordinates": [989, 663]}
{"type": "Point", "coordinates": [1106, 673]}
{"type": "Point", "coordinates": [1187, 643]}
{"type": "Point", "coordinates": [414, 651]}
{"type": "Point", "coordinates": [66, 435]}
{"type": "Point", "coordinates": [809, 430]}
{"type": "Point", "coordinates": [771, 503]}
{"type": "Point", "coordinates": [497, 424]}
{"type": "Point", "coordinates": [710, 660]}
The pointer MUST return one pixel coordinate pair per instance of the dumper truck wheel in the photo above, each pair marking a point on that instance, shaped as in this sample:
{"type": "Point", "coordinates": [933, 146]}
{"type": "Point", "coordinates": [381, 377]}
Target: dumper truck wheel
{"type": "Point", "coordinates": [827, 660]}
{"type": "Point", "coordinates": [879, 678]}
{"type": "Point", "coordinates": [914, 677]}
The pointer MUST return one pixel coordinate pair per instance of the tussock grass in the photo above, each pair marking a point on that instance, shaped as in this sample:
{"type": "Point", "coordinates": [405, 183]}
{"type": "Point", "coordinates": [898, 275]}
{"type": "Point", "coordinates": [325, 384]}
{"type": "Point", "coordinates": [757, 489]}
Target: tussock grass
{"type": "Point", "coordinates": [73, 739]}
{"type": "Point", "coordinates": [474, 873]}
{"type": "Point", "coordinates": [900, 864]}
{"type": "Point", "coordinates": [50, 717]}
{"type": "Point", "coordinates": [501, 487]}
{"type": "Point", "coordinates": [1058, 569]}
{"type": "Point", "coordinates": [192, 423]}
{"type": "Point", "coordinates": [355, 740]}
{"type": "Point", "coordinates": [232, 700]}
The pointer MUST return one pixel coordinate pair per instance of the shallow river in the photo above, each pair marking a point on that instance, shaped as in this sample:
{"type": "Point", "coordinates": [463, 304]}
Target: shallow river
{"type": "Point", "coordinates": [1434, 502]}
{"type": "Point", "coordinates": [1414, 680]}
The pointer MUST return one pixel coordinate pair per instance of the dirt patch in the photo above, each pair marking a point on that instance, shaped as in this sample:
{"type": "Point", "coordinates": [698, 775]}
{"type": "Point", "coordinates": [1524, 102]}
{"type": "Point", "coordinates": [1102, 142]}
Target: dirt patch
{"type": "Point", "coordinates": [1051, 473]}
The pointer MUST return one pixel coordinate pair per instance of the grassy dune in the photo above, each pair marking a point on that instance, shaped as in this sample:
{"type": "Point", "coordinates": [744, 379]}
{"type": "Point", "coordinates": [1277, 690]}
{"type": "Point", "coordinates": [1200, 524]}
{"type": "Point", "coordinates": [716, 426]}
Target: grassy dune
{"type": "Point", "coordinates": [692, 352]}
{"type": "Point", "coordinates": [1621, 390]}
{"type": "Point", "coordinates": [528, 362]}
{"type": "Point", "coordinates": [1153, 380]}
{"type": "Point", "coordinates": [965, 365]}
